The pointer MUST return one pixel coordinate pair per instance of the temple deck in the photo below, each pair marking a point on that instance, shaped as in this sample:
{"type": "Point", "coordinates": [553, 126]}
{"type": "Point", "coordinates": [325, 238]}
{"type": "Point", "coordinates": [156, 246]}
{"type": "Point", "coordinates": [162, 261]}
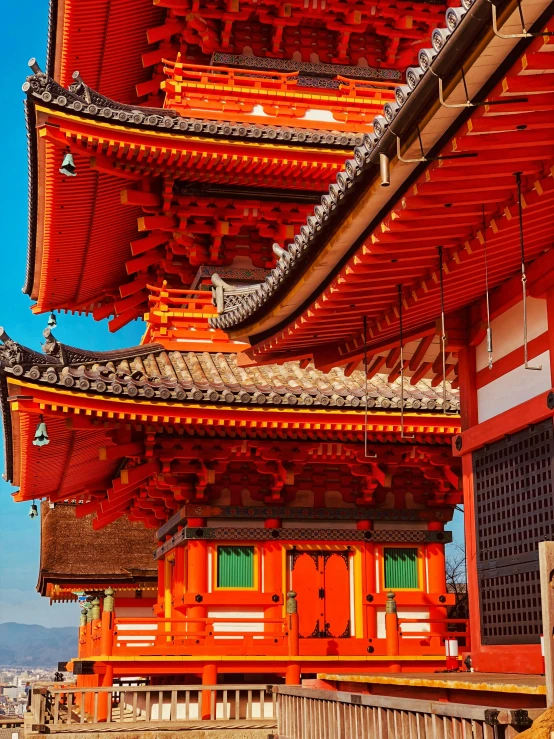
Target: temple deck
{"type": "Point", "coordinates": [478, 688]}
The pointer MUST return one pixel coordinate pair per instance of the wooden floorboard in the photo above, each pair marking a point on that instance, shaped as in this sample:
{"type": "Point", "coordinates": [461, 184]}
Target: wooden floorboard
{"type": "Point", "coordinates": [160, 726]}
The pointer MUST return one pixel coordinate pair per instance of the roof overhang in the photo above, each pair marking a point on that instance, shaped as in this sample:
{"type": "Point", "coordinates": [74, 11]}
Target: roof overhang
{"type": "Point", "coordinates": [277, 325]}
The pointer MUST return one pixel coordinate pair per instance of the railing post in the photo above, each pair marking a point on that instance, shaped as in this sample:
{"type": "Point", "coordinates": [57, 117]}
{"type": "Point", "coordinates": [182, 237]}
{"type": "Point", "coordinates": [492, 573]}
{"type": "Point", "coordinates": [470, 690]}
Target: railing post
{"type": "Point", "coordinates": [106, 648]}
{"type": "Point", "coordinates": [209, 677]}
{"type": "Point", "coordinates": [391, 628]}
{"type": "Point", "coordinates": [96, 628]}
{"type": "Point", "coordinates": [293, 670]}
{"type": "Point", "coordinates": [292, 617]}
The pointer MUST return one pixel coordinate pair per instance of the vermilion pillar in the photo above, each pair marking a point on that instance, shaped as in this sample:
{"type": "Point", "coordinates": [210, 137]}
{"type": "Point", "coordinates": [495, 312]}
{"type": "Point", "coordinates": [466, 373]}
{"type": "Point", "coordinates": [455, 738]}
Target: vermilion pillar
{"type": "Point", "coordinates": [370, 582]}
{"type": "Point", "coordinates": [273, 577]}
{"type": "Point", "coordinates": [209, 677]}
{"type": "Point", "coordinates": [436, 574]}
{"type": "Point", "coordinates": [197, 577]}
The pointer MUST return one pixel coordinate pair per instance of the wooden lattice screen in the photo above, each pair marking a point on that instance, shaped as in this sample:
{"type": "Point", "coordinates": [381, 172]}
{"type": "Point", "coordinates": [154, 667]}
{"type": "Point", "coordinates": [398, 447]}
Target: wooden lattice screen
{"type": "Point", "coordinates": [514, 511]}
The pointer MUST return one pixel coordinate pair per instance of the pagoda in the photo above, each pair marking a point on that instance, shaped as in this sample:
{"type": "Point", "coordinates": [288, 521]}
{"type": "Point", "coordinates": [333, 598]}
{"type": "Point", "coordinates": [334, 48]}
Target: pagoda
{"type": "Point", "coordinates": [436, 240]}
{"type": "Point", "coordinates": [298, 513]}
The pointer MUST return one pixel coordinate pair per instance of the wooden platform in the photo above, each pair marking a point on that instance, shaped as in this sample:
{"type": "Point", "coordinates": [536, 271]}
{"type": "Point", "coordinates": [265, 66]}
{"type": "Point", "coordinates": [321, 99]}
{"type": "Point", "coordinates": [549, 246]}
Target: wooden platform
{"type": "Point", "coordinates": [498, 690]}
{"type": "Point", "coordinates": [478, 681]}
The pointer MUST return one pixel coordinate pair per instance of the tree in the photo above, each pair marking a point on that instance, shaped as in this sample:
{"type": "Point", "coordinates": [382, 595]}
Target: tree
{"type": "Point", "coordinates": [456, 582]}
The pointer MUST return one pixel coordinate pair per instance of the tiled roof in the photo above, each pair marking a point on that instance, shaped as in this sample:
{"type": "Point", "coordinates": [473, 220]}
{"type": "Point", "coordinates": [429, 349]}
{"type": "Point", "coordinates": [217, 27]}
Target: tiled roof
{"type": "Point", "coordinates": [151, 372]}
{"type": "Point", "coordinates": [359, 170]}
{"type": "Point", "coordinates": [88, 103]}
{"type": "Point", "coordinates": [71, 550]}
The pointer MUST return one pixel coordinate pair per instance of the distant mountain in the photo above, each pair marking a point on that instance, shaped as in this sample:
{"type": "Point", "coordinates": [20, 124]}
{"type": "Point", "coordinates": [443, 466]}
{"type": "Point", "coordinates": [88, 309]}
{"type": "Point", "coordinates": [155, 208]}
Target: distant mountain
{"type": "Point", "coordinates": [25, 645]}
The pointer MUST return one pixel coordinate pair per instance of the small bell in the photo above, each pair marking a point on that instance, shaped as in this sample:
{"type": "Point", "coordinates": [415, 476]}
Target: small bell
{"type": "Point", "coordinates": [41, 434]}
{"type": "Point", "coordinates": [33, 510]}
{"type": "Point", "coordinates": [68, 165]}
{"type": "Point", "coordinates": [52, 323]}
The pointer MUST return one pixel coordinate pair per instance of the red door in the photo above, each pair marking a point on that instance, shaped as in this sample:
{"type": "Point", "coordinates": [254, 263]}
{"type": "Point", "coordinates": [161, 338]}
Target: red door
{"type": "Point", "coordinates": [337, 595]}
{"type": "Point", "coordinates": [321, 581]}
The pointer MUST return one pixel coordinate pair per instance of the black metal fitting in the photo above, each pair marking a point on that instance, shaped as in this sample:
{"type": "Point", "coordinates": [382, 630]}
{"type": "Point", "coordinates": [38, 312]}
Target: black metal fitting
{"type": "Point", "coordinates": [491, 717]}
{"type": "Point", "coordinates": [520, 719]}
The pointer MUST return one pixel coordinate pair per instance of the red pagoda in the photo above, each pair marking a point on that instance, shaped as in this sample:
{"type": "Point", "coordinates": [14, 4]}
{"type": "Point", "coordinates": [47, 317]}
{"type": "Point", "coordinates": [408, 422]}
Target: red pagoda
{"type": "Point", "coordinates": [435, 240]}
{"type": "Point", "coordinates": [299, 511]}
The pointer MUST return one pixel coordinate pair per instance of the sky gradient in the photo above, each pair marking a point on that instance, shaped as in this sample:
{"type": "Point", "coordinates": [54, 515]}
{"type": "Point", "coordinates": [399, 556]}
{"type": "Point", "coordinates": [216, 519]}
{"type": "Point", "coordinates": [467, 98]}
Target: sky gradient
{"type": "Point", "coordinates": [24, 36]}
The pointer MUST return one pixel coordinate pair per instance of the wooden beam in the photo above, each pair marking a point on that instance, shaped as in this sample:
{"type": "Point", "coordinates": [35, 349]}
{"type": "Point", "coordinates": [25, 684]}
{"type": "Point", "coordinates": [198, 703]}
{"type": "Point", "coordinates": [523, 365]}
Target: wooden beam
{"type": "Point", "coordinates": [546, 565]}
{"type": "Point", "coordinates": [132, 449]}
{"type": "Point", "coordinates": [421, 371]}
{"type": "Point", "coordinates": [420, 352]}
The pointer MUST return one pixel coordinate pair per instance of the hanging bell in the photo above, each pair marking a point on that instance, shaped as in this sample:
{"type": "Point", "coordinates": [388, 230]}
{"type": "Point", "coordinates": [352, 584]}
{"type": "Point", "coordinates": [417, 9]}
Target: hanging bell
{"type": "Point", "coordinates": [41, 434]}
{"type": "Point", "coordinates": [68, 165]}
{"type": "Point", "coordinates": [52, 323]}
{"type": "Point", "coordinates": [33, 510]}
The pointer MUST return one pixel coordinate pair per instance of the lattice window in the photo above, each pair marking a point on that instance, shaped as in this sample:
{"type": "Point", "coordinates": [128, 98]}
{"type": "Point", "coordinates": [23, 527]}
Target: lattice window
{"type": "Point", "coordinates": [235, 567]}
{"type": "Point", "coordinates": [514, 511]}
{"type": "Point", "coordinates": [401, 568]}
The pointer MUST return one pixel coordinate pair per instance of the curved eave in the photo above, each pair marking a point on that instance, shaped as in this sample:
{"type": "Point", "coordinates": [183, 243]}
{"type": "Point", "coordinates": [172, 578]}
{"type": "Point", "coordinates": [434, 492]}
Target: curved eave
{"type": "Point", "coordinates": [366, 202]}
{"type": "Point", "coordinates": [80, 423]}
{"type": "Point", "coordinates": [74, 211]}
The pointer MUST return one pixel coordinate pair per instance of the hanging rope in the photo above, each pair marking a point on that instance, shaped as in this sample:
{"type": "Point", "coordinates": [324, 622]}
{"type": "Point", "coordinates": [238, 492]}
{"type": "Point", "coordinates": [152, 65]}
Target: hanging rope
{"type": "Point", "coordinates": [401, 332]}
{"type": "Point", "coordinates": [371, 456]}
{"type": "Point", "coordinates": [443, 330]}
{"type": "Point", "coordinates": [487, 300]}
{"type": "Point", "coordinates": [523, 274]}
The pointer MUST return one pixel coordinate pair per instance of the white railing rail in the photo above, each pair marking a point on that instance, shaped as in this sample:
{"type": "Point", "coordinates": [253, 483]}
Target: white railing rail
{"type": "Point", "coordinates": [144, 707]}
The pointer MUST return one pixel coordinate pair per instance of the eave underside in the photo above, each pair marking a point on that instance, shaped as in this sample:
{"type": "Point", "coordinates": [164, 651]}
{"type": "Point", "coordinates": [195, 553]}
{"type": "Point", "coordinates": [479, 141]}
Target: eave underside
{"type": "Point", "coordinates": [459, 204]}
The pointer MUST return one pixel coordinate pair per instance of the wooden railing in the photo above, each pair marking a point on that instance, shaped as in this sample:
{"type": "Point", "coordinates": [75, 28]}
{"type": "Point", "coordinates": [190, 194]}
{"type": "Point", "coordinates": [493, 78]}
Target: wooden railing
{"type": "Point", "coordinates": [136, 708]}
{"type": "Point", "coordinates": [324, 714]}
{"type": "Point", "coordinates": [438, 628]}
{"type": "Point", "coordinates": [223, 635]}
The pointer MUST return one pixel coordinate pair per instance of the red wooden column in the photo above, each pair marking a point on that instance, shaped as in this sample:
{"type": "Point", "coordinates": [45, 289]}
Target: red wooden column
{"type": "Point", "coordinates": [273, 576]}
{"type": "Point", "coordinates": [436, 575]}
{"type": "Point", "coordinates": [370, 609]}
{"type": "Point", "coordinates": [106, 648]}
{"type": "Point", "coordinates": [197, 576]}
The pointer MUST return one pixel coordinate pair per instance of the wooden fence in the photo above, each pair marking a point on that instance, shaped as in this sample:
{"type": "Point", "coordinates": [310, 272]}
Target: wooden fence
{"type": "Point", "coordinates": [137, 708]}
{"type": "Point", "coordinates": [324, 714]}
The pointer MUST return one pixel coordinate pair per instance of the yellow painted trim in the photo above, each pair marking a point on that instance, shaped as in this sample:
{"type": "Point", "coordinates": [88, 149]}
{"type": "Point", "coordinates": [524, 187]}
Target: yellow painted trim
{"type": "Point", "coordinates": [265, 658]}
{"type": "Point", "coordinates": [256, 566]}
{"type": "Point", "coordinates": [110, 127]}
{"type": "Point", "coordinates": [357, 565]}
{"type": "Point", "coordinates": [420, 567]}
{"type": "Point", "coordinates": [458, 682]}
{"type": "Point", "coordinates": [273, 409]}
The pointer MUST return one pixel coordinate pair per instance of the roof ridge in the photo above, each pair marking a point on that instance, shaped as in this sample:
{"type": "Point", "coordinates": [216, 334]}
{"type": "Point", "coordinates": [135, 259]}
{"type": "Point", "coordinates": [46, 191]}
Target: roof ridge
{"type": "Point", "coordinates": [136, 373]}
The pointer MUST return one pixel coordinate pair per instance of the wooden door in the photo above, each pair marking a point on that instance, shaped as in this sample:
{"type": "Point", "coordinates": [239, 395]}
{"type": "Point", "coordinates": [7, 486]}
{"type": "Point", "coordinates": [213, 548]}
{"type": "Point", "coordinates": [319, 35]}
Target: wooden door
{"type": "Point", "coordinates": [307, 582]}
{"type": "Point", "coordinates": [321, 581]}
{"type": "Point", "coordinates": [337, 595]}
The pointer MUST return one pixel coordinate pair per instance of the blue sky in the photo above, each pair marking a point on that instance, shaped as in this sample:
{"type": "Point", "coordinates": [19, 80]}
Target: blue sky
{"type": "Point", "coordinates": [24, 36]}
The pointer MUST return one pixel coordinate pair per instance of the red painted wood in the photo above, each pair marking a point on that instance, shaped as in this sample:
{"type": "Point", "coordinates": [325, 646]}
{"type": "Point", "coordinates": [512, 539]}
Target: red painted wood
{"type": "Point", "coordinates": [307, 579]}
{"type": "Point", "coordinates": [512, 420]}
{"type": "Point", "coordinates": [337, 595]}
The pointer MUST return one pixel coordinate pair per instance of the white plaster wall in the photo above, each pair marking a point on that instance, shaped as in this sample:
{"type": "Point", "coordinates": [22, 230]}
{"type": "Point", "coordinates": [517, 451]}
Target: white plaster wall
{"type": "Point", "coordinates": [239, 627]}
{"type": "Point", "coordinates": [134, 612]}
{"type": "Point", "coordinates": [403, 613]}
{"type": "Point", "coordinates": [507, 330]}
{"type": "Point", "coordinates": [513, 388]}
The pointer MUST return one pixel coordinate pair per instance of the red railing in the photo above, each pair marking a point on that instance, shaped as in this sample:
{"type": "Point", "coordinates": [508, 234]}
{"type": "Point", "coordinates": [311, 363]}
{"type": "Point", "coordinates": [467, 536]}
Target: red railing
{"type": "Point", "coordinates": [443, 632]}
{"type": "Point", "coordinates": [167, 636]}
